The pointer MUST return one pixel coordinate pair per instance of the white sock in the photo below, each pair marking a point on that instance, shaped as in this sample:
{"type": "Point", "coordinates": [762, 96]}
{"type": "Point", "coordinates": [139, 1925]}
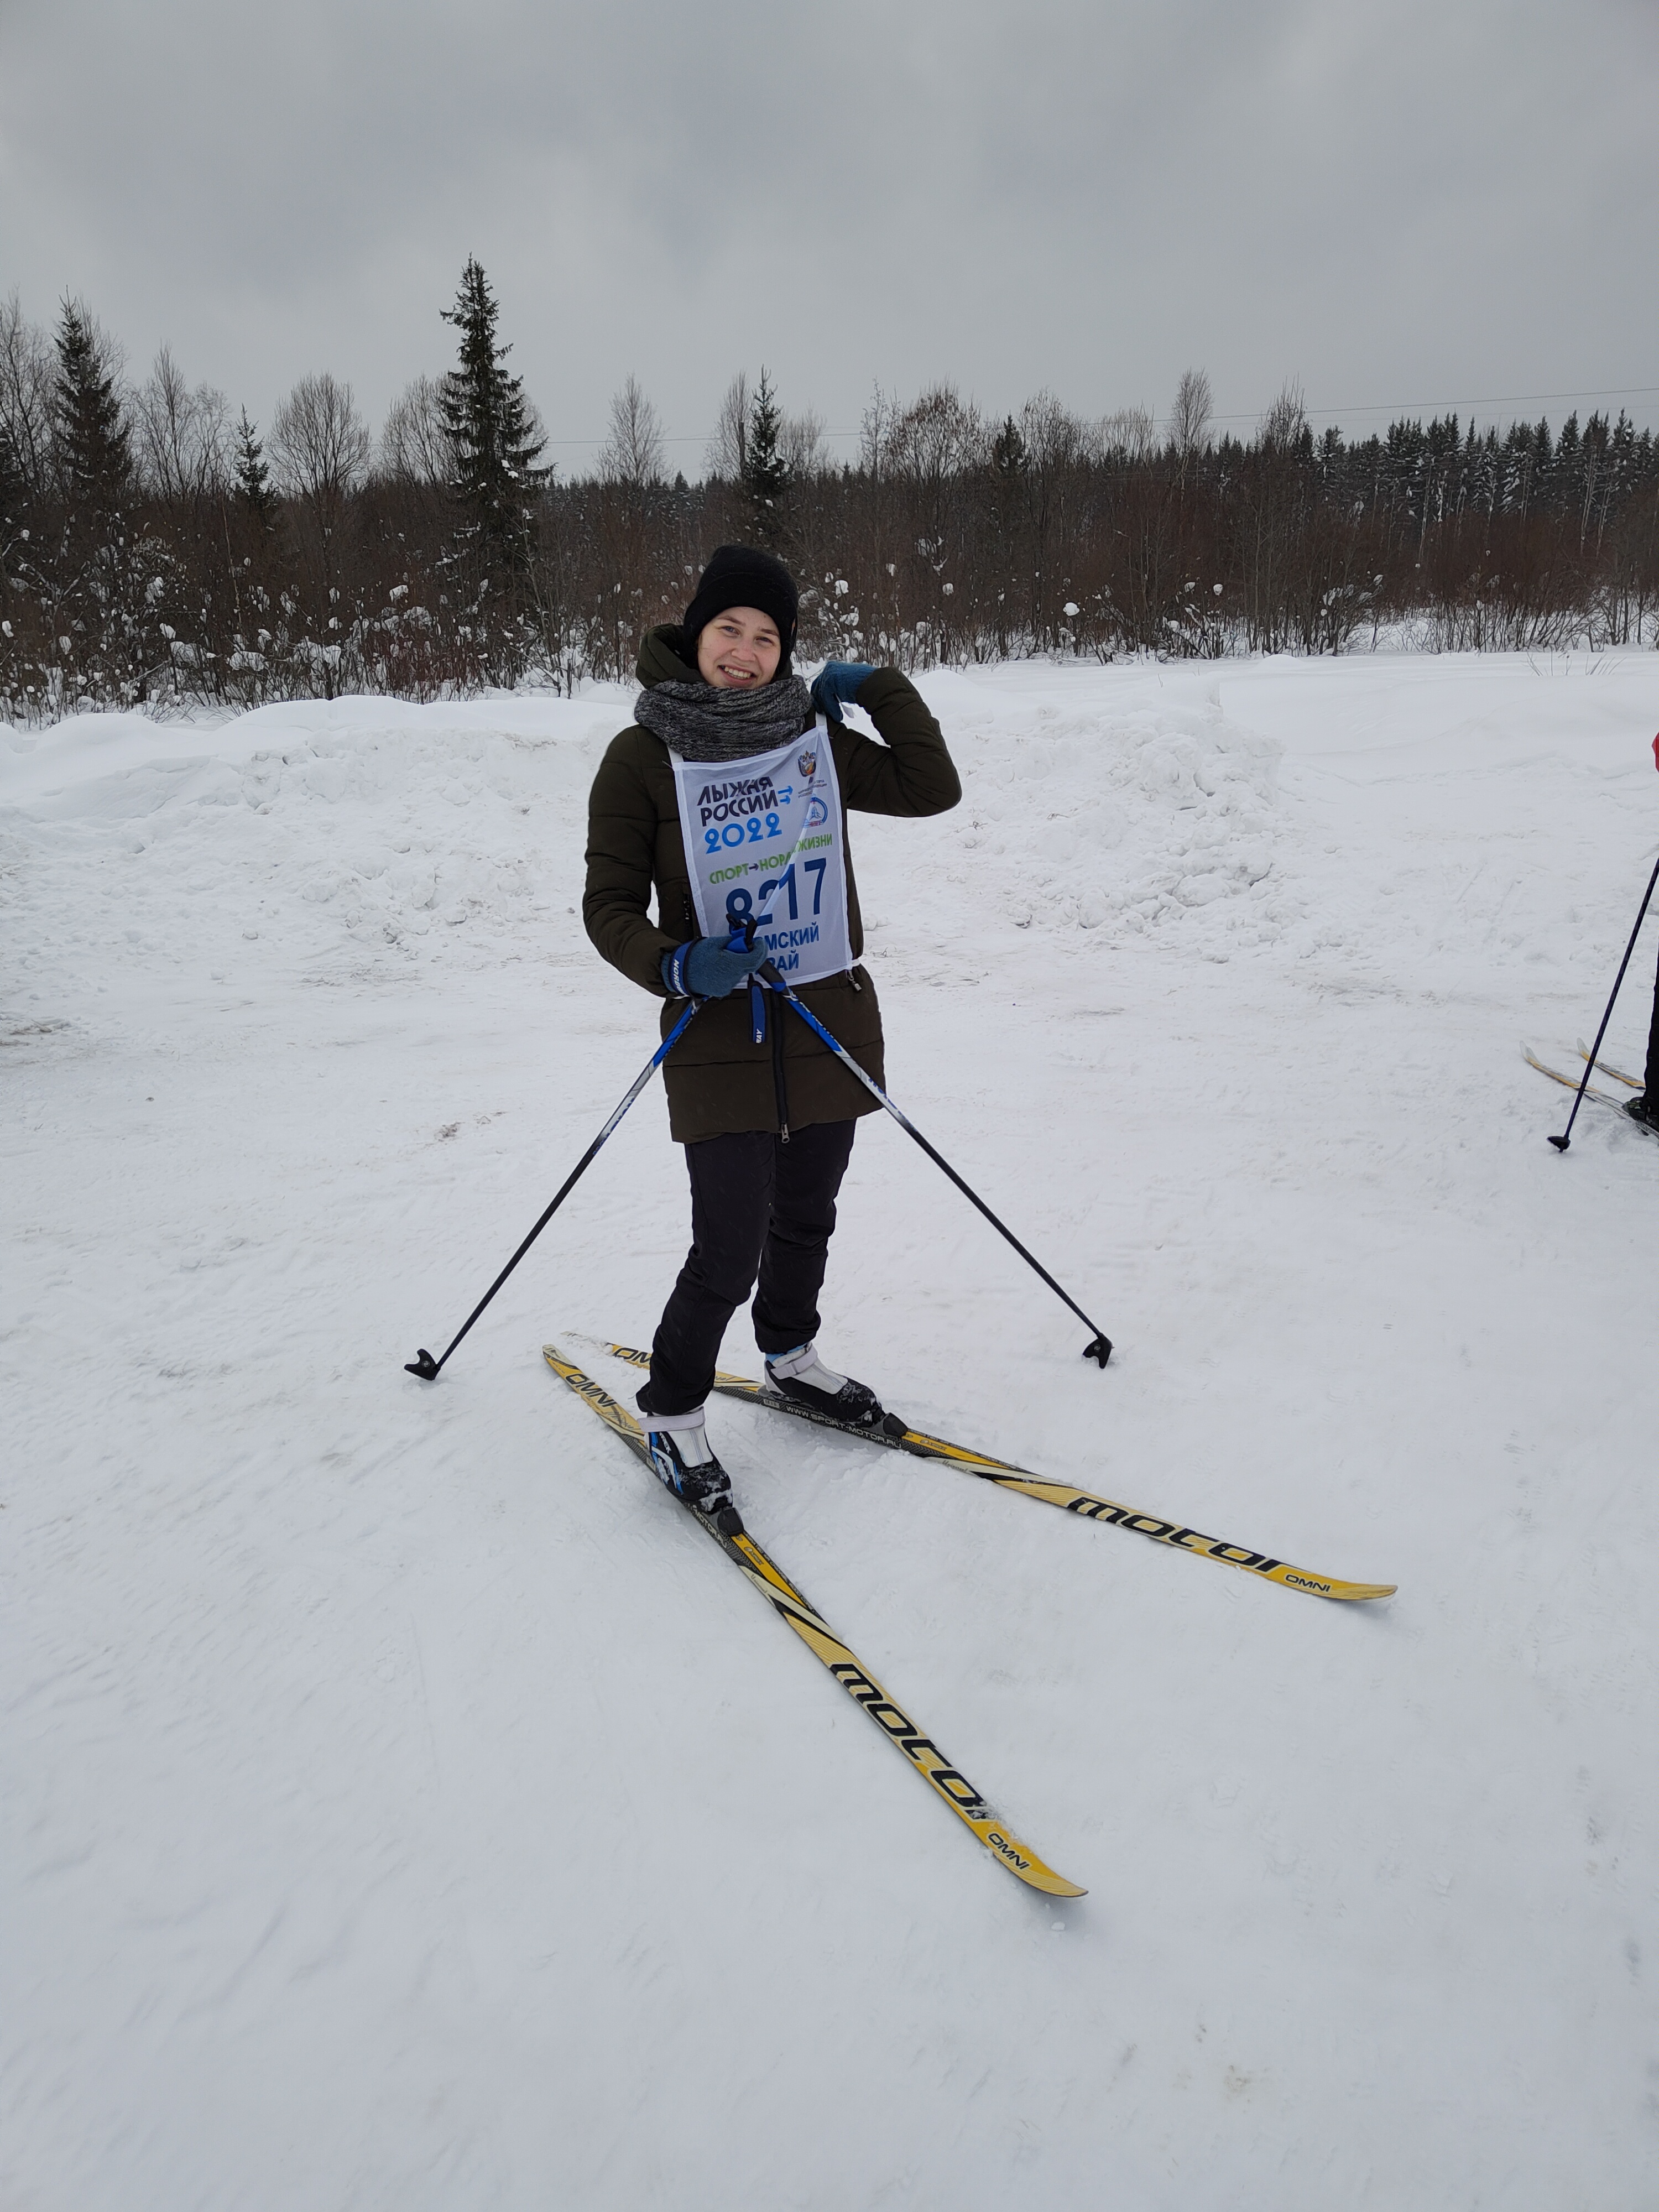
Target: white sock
{"type": "Point", "coordinates": [803, 1366]}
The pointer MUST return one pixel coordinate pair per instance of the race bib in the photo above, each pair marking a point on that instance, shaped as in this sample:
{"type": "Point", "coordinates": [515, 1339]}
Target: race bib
{"type": "Point", "coordinates": [764, 838]}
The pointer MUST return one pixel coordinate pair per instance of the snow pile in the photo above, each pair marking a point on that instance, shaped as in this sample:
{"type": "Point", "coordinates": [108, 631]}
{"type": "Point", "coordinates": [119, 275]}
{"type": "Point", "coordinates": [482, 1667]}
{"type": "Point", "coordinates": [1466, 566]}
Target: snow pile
{"type": "Point", "coordinates": [1115, 812]}
{"type": "Point", "coordinates": [351, 824]}
{"type": "Point", "coordinates": [400, 820]}
{"type": "Point", "coordinates": [410, 1810]}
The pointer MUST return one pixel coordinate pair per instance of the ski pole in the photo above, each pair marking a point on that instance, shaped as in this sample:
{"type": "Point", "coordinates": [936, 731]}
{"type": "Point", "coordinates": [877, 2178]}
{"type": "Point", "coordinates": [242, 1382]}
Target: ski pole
{"type": "Point", "coordinates": [424, 1364]}
{"type": "Point", "coordinates": [1561, 1142]}
{"type": "Point", "coordinates": [1099, 1349]}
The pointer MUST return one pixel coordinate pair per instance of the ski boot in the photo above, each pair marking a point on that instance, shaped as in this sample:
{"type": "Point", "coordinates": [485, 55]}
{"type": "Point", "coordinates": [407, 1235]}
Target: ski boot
{"type": "Point", "coordinates": [680, 1453]}
{"type": "Point", "coordinates": [1644, 1109]}
{"type": "Point", "coordinates": [801, 1376]}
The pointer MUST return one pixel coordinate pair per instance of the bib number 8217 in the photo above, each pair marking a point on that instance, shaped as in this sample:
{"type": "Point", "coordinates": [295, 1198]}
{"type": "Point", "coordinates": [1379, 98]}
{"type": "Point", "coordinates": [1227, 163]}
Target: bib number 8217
{"type": "Point", "coordinates": [740, 905]}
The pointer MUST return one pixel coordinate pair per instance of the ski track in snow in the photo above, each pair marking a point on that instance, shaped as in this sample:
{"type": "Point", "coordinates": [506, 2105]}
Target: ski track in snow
{"type": "Point", "coordinates": [407, 1809]}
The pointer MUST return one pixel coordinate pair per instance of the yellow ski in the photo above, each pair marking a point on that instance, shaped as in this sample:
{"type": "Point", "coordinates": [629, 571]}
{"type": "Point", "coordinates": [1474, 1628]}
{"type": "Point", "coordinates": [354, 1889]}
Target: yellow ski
{"type": "Point", "coordinates": [1632, 1082]}
{"type": "Point", "coordinates": [1573, 1082]}
{"type": "Point", "coordinates": [1083, 1503]}
{"type": "Point", "coordinates": [770, 1579]}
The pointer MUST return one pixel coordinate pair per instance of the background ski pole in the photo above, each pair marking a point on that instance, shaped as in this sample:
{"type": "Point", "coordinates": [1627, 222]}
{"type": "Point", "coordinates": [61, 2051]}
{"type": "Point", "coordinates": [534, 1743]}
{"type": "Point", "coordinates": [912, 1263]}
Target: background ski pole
{"type": "Point", "coordinates": [424, 1364]}
{"type": "Point", "coordinates": [1100, 1346]}
{"type": "Point", "coordinates": [1561, 1142]}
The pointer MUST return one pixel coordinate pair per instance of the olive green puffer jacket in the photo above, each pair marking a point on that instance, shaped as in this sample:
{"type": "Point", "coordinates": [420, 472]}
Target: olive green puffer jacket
{"type": "Point", "coordinates": [718, 1079]}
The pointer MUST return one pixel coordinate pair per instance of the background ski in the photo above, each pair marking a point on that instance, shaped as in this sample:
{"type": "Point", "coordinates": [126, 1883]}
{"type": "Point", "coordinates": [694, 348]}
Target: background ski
{"type": "Point", "coordinates": [923, 1753]}
{"type": "Point", "coordinates": [1572, 1082]}
{"type": "Point", "coordinates": [1083, 1503]}
{"type": "Point", "coordinates": [1606, 1067]}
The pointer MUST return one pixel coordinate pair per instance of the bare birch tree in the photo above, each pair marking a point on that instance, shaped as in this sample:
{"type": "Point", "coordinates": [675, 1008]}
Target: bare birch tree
{"type": "Point", "coordinates": [632, 453]}
{"type": "Point", "coordinates": [184, 436]}
{"type": "Point", "coordinates": [1189, 417]}
{"type": "Point", "coordinates": [320, 445]}
{"type": "Point", "coordinates": [801, 443]}
{"type": "Point", "coordinates": [25, 395]}
{"type": "Point", "coordinates": [1282, 426]}
{"type": "Point", "coordinates": [1129, 436]}
{"type": "Point", "coordinates": [414, 448]}
{"type": "Point", "coordinates": [727, 457]}
{"type": "Point", "coordinates": [941, 434]}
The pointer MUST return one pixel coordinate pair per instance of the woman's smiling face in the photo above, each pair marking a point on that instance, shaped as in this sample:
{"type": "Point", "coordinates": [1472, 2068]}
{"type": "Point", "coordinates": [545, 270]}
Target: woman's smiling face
{"type": "Point", "coordinates": [739, 650]}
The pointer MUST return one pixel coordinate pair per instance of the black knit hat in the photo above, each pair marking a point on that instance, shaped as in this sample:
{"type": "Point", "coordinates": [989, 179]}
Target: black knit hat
{"type": "Point", "coordinates": [744, 576]}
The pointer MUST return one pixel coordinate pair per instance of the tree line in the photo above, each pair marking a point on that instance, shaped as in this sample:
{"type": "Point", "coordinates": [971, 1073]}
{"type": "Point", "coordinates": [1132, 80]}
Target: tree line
{"type": "Point", "coordinates": [155, 548]}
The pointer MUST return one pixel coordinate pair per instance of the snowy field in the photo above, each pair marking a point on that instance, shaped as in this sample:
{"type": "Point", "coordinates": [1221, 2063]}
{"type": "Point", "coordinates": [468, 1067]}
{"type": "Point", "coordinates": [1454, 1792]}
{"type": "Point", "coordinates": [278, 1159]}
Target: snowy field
{"type": "Point", "coordinates": [408, 1809]}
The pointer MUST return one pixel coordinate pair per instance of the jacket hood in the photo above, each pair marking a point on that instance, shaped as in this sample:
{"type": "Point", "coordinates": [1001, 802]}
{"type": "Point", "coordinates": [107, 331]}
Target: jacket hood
{"type": "Point", "coordinates": [665, 658]}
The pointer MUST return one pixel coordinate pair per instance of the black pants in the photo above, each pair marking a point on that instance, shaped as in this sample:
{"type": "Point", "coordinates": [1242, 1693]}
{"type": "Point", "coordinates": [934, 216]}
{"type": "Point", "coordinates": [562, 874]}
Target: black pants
{"type": "Point", "coordinates": [757, 1205]}
{"type": "Point", "coordinates": [1652, 1069]}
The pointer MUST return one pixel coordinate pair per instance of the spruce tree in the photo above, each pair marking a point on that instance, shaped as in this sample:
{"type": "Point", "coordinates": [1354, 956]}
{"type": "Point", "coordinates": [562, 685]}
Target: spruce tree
{"type": "Point", "coordinates": [94, 440]}
{"type": "Point", "coordinates": [1008, 455]}
{"type": "Point", "coordinates": [252, 476]}
{"type": "Point", "coordinates": [765, 472]}
{"type": "Point", "coordinates": [487, 422]}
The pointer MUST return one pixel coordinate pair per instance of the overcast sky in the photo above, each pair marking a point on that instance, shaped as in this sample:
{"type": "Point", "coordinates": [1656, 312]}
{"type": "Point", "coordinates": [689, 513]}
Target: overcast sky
{"type": "Point", "coordinates": [1402, 204]}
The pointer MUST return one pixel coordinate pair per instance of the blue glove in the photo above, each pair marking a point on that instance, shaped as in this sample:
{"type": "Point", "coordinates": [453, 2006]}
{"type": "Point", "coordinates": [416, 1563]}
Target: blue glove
{"type": "Point", "coordinates": [711, 967]}
{"type": "Point", "coordinates": [837, 684]}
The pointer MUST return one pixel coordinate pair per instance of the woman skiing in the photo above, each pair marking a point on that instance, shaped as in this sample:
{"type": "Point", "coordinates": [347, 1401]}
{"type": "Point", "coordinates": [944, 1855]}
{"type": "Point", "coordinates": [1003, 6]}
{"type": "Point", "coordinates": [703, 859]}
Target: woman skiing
{"type": "Point", "coordinates": [727, 797]}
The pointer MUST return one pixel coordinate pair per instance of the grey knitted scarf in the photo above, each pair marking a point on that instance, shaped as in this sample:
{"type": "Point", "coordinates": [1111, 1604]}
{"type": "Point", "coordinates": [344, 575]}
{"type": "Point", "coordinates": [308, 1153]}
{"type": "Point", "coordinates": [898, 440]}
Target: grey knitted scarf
{"type": "Point", "coordinates": [701, 723]}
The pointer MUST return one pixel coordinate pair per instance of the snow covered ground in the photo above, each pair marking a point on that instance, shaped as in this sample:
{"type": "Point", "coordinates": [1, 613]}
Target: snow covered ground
{"type": "Point", "coordinates": [408, 1809]}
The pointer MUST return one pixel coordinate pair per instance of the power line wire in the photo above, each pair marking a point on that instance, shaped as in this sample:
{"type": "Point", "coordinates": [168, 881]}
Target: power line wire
{"type": "Point", "coordinates": [1501, 399]}
{"type": "Point", "coordinates": [1392, 408]}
